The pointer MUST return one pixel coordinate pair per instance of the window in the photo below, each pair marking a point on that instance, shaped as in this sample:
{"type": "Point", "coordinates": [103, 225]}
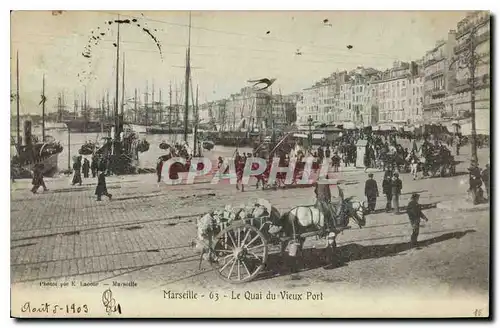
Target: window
{"type": "Point", "coordinates": [409, 101]}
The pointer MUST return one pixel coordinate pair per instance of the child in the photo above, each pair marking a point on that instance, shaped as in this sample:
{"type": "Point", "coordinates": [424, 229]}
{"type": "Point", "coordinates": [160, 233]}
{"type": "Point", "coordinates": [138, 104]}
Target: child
{"type": "Point", "coordinates": [415, 214]}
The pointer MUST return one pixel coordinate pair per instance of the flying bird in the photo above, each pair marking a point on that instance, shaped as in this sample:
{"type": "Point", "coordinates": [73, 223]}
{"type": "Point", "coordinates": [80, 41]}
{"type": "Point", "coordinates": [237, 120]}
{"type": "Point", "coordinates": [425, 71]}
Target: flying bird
{"type": "Point", "coordinates": [268, 32]}
{"type": "Point", "coordinates": [44, 99]}
{"type": "Point", "coordinates": [266, 81]}
{"type": "Point", "coordinates": [298, 52]}
{"type": "Point", "coordinates": [349, 47]}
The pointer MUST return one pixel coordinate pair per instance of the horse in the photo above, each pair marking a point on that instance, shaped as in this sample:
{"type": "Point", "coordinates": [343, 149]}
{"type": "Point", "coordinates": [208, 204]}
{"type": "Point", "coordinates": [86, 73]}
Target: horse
{"type": "Point", "coordinates": [303, 219]}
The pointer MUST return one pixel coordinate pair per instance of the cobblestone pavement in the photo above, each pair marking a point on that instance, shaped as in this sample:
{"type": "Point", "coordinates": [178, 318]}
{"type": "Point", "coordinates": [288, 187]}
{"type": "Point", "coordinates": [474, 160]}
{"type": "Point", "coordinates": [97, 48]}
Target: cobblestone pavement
{"type": "Point", "coordinates": [144, 234]}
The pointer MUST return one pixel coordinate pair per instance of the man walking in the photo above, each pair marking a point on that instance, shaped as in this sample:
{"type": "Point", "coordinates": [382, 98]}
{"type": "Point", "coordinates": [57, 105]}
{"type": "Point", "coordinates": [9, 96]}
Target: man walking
{"type": "Point", "coordinates": [397, 185]}
{"type": "Point", "coordinates": [371, 192]}
{"type": "Point", "coordinates": [414, 211]}
{"type": "Point", "coordinates": [38, 179]}
{"type": "Point", "coordinates": [101, 188]}
{"type": "Point", "coordinates": [387, 189]}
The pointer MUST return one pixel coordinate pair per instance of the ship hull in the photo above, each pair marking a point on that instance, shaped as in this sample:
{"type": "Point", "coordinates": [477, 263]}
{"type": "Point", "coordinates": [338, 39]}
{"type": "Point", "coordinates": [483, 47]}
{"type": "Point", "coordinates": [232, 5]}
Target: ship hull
{"type": "Point", "coordinates": [87, 127]}
{"type": "Point", "coordinates": [161, 130]}
{"type": "Point", "coordinates": [50, 165]}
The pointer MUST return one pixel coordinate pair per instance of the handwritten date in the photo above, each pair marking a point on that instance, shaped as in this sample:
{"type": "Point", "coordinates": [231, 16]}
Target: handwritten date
{"type": "Point", "coordinates": [54, 308]}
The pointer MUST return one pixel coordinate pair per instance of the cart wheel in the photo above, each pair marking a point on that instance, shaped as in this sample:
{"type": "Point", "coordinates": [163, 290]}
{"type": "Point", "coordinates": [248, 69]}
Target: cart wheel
{"type": "Point", "coordinates": [240, 253]}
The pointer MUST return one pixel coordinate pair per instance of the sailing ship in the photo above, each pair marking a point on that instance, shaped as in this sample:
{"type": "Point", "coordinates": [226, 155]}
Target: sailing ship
{"type": "Point", "coordinates": [165, 128]}
{"type": "Point", "coordinates": [82, 125]}
{"type": "Point", "coordinates": [30, 151]}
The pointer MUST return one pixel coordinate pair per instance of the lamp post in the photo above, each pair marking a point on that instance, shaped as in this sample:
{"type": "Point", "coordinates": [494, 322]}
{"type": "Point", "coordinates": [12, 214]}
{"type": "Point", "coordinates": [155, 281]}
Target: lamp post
{"type": "Point", "coordinates": [310, 121]}
{"type": "Point", "coordinates": [69, 149]}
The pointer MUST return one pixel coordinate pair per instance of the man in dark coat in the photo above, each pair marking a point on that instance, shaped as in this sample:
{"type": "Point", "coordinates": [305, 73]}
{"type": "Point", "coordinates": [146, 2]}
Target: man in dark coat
{"type": "Point", "coordinates": [371, 192]}
{"type": "Point", "coordinates": [38, 179]}
{"type": "Point", "coordinates": [101, 188]}
{"type": "Point", "coordinates": [323, 202]}
{"type": "Point", "coordinates": [77, 166]}
{"type": "Point", "coordinates": [327, 151]}
{"type": "Point", "coordinates": [414, 211]}
{"type": "Point", "coordinates": [86, 168]}
{"type": "Point", "coordinates": [485, 176]}
{"type": "Point", "coordinates": [94, 165]}
{"type": "Point", "coordinates": [387, 189]}
{"type": "Point", "coordinates": [397, 185]}
{"type": "Point", "coordinates": [475, 183]}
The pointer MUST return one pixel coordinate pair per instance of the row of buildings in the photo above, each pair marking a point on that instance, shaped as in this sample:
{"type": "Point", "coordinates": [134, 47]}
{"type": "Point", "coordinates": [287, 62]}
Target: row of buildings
{"type": "Point", "coordinates": [427, 90]}
{"type": "Point", "coordinates": [430, 89]}
{"type": "Point", "coordinates": [250, 110]}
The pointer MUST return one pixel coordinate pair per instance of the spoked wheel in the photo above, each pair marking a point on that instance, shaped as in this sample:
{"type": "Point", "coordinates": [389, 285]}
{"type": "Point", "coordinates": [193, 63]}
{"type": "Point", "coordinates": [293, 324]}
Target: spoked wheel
{"type": "Point", "coordinates": [240, 253]}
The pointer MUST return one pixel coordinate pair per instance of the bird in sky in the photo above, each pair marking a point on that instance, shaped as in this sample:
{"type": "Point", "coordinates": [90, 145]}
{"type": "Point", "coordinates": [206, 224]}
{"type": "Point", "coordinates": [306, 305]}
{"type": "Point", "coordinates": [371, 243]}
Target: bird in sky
{"type": "Point", "coordinates": [349, 47]}
{"type": "Point", "coordinates": [298, 52]}
{"type": "Point", "coordinates": [266, 81]}
{"type": "Point", "coordinates": [268, 32]}
{"type": "Point", "coordinates": [325, 22]}
{"type": "Point", "coordinates": [44, 99]}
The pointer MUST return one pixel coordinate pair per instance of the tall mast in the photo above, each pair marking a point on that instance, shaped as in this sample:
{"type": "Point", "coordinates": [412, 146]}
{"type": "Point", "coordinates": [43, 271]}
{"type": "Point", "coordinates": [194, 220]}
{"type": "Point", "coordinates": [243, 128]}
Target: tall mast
{"type": "Point", "coordinates": [176, 105]}
{"type": "Point", "coordinates": [188, 73]}
{"type": "Point", "coordinates": [17, 101]}
{"type": "Point", "coordinates": [117, 132]}
{"type": "Point", "coordinates": [153, 114]}
{"type": "Point", "coordinates": [160, 105]}
{"type": "Point", "coordinates": [107, 106]}
{"type": "Point", "coordinates": [75, 105]}
{"type": "Point", "coordinates": [146, 104]}
{"type": "Point", "coordinates": [85, 100]}
{"type": "Point", "coordinates": [195, 142]}
{"type": "Point", "coordinates": [101, 107]}
{"type": "Point", "coordinates": [135, 105]}
{"type": "Point", "coordinates": [43, 108]}
{"type": "Point", "coordinates": [123, 86]}
{"type": "Point", "coordinates": [170, 108]}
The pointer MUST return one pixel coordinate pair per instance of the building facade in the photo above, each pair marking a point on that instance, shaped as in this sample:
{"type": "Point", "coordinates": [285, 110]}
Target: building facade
{"type": "Point", "coordinates": [439, 79]}
{"type": "Point", "coordinates": [478, 22]}
{"type": "Point", "coordinates": [308, 105]}
{"type": "Point", "coordinates": [393, 92]}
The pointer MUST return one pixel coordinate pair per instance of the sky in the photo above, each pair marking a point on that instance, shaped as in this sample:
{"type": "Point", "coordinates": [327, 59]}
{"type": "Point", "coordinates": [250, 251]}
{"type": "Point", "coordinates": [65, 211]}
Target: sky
{"type": "Point", "coordinates": [227, 49]}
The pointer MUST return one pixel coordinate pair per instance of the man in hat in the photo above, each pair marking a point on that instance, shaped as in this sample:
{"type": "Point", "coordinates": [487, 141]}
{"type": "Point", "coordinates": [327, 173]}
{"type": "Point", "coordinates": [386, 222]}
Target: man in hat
{"type": "Point", "coordinates": [323, 201]}
{"type": "Point", "coordinates": [371, 192]}
{"type": "Point", "coordinates": [77, 166]}
{"type": "Point", "coordinates": [101, 188]}
{"type": "Point", "coordinates": [387, 189]}
{"type": "Point", "coordinates": [475, 183]}
{"type": "Point", "coordinates": [485, 176]}
{"type": "Point", "coordinates": [396, 185]}
{"type": "Point", "coordinates": [414, 211]}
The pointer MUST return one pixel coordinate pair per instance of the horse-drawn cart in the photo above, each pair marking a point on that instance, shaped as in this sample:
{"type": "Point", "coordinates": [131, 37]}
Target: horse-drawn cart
{"type": "Point", "coordinates": [237, 242]}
